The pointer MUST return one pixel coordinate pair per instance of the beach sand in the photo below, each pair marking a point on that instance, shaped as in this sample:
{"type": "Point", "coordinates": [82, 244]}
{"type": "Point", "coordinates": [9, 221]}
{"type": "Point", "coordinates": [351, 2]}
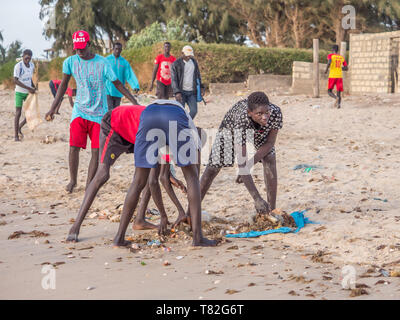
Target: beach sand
{"type": "Point", "coordinates": [357, 148]}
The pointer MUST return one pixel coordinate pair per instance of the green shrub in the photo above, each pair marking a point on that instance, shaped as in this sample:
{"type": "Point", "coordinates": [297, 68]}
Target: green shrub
{"type": "Point", "coordinates": [223, 62]}
{"type": "Point", "coordinates": [7, 71]}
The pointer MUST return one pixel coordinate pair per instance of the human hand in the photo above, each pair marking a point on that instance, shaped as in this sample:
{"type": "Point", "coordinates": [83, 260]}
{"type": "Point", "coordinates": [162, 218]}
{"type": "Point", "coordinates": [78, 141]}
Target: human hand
{"type": "Point", "coordinates": [262, 207]}
{"type": "Point", "coordinates": [151, 87]}
{"type": "Point", "coordinates": [32, 90]}
{"type": "Point", "coordinates": [49, 115]}
{"type": "Point", "coordinates": [178, 184]}
{"type": "Point", "coordinates": [178, 97]}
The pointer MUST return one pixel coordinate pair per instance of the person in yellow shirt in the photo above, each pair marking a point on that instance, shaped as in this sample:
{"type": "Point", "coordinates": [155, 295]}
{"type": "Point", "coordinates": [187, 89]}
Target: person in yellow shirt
{"type": "Point", "coordinates": [336, 64]}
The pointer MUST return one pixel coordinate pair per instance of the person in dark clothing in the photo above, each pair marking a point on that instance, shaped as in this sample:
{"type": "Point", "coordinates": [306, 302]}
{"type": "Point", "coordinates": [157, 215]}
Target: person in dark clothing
{"type": "Point", "coordinates": [185, 75]}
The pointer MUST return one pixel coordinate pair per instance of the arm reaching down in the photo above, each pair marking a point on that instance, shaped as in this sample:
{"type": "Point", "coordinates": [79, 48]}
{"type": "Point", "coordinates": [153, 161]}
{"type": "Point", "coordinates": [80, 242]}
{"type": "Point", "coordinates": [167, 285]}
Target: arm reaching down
{"type": "Point", "coordinates": [121, 88]}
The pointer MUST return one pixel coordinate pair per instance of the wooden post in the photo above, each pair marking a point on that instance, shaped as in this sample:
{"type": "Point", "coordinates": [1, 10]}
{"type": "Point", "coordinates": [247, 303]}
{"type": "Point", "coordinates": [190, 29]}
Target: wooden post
{"type": "Point", "coordinates": [316, 68]}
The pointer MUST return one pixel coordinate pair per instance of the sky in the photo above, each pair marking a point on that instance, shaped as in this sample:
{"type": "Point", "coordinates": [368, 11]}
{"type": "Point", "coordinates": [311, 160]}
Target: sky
{"type": "Point", "coordinates": [19, 20]}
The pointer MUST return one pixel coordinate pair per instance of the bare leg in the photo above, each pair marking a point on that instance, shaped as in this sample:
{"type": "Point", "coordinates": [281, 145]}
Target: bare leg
{"type": "Point", "coordinates": [331, 94]}
{"type": "Point", "coordinates": [94, 162]}
{"type": "Point", "coordinates": [192, 181]}
{"type": "Point", "coordinates": [205, 183]}
{"type": "Point", "coordinates": [73, 167]}
{"type": "Point", "coordinates": [131, 201]}
{"type": "Point", "coordinates": [339, 95]}
{"type": "Point", "coordinates": [157, 198]}
{"type": "Point", "coordinates": [140, 222]}
{"type": "Point", "coordinates": [166, 182]}
{"type": "Point", "coordinates": [270, 179]}
{"type": "Point", "coordinates": [20, 127]}
{"type": "Point", "coordinates": [18, 112]}
{"type": "Point", "coordinates": [101, 177]}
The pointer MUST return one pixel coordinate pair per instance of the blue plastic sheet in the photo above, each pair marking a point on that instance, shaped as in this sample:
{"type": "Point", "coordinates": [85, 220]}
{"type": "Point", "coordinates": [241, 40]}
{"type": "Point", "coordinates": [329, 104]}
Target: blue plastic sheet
{"type": "Point", "coordinates": [298, 217]}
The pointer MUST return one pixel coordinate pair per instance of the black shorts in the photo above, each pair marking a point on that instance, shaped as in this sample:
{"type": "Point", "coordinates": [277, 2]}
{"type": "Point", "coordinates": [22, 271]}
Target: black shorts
{"type": "Point", "coordinates": [53, 89]}
{"type": "Point", "coordinates": [113, 102]}
{"type": "Point", "coordinates": [112, 145]}
{"type": "Point", "coordinates": [163, 91]}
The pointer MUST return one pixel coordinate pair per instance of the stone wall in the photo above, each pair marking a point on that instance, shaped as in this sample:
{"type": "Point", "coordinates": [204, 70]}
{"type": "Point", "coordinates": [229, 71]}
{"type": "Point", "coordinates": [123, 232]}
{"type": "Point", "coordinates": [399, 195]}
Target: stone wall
{"type": "Point", "coordinates": [371, 62]}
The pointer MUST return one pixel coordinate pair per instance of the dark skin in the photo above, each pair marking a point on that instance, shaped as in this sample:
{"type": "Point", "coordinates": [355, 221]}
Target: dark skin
{"type": "Point", "coordinates": [18, 126]}
{"type": "Point", "coordinates": [84, 54]}
{"type": "Point", "coordinates": [259, 115]}
{"type": "Point", "coordinates": [101, 177]}
{"type": "Point", "coordinates": [337, 97]}
{"type": "Point", "coordinates": [167, 50]}
{"type": "Point", "coordinates": [138, 184]}
{"type": "Point", "coordinates": [71, 101]}
{"type": "Point", "coordinates": [178, 96]}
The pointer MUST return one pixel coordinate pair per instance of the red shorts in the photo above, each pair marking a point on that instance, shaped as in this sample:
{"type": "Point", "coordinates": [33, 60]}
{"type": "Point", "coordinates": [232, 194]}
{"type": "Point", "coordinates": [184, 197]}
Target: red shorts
{"type": "Point", "coordinates": [335, 81]}
{"type": "Point", "coordinates": [79, 129]}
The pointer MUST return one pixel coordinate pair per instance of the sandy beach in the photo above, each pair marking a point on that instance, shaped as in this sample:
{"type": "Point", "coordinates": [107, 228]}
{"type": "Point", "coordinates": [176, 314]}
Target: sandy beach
{"type": "Point", "coordinates": [353, 195]}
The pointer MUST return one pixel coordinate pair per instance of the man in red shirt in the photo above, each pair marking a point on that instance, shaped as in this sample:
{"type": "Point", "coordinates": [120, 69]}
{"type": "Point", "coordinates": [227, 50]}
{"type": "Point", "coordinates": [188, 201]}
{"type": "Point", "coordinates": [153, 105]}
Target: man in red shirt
{"type": "Point", "coordinates": [54, 85]}
{"type": "Point", "coordinates": [162, 69]}
{"type": "Point", "coordinates": [117, 136]}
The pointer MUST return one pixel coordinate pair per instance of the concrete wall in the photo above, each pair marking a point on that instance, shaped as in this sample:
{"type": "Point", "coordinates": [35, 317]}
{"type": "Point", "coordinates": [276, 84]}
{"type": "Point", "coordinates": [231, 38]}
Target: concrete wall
{"type": "Point", "coordinates": [371, 60]}
{"type": "Point", "coordinates": [302, 79]}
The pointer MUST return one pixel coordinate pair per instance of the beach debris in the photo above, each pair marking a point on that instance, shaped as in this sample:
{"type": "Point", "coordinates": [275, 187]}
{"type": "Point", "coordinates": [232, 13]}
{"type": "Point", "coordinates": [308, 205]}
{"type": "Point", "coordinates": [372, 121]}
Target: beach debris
{"type": "Point", "coordinates": [33, 234]}
{"type": "Point", "coordinates": [379, 199]}
{"type": "Point", "coordinates": [384, 272]}
{"type": "Point", "coordinates": [316, 106]}
{"type": "Point", "coordinates": [213, 272]}
{"type": "Point", "coordinates": [179, 257]}
{"type": "Point", "coordinates": [142, 263]}
{"type": "Point", "coordinates": [382, 246]}
{"type": "Point", "coordinates": [85, 248]}
{"type": "Point", "coordinates": [293, 293]}
{"type": "Point", "coordinates": [306, 167]}
{"type": "Point", "coordinates": [48, 139]}
{"type": "Point", "coordinates": [205, 216]}
{"type": "Point", "coordinates": [231, 291]}
{"type": "Point", "coordinates": [233, 248]}
{"type": "Point", "coordinates": [154, 243]}
{"type": "Point", "coordinates": [251, 284]}
{"type": "Point", "coordinates": [93, 215]}
{"type": "Point", "coordinates": [395, 273]}
{"type": "Point", "coordinates": [166, 263]}
{"type": "Point", "coordinates": [153, 212]}
{"type": "Point", "coordinates": [358, 292]}
{"type": "Point", "coordinates": [90, 288]}
{"type": "Point", "coordinates": [300, 279]}
{"type": "Point", "coordinates": [382, 282]}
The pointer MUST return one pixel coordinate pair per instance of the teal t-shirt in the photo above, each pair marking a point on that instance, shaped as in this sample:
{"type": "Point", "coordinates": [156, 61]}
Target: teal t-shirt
{"type": "Point", "coordinates": [124, 72]}
{"type": "Point", "coordinates": [90, 76]}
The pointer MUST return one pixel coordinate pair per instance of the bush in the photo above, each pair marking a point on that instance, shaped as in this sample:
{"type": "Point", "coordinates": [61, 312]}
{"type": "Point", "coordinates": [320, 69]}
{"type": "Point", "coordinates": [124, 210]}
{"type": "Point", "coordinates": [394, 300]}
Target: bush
{"type": "Point", "coordinates": [222, 62]}
{"type": "Point", "coordinates": [7, 71]}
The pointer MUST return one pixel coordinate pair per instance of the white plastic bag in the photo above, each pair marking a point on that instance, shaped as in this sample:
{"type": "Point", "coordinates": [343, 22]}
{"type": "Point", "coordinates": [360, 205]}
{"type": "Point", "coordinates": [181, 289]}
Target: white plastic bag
{"type": "Point", "coordinates": [31, 109]}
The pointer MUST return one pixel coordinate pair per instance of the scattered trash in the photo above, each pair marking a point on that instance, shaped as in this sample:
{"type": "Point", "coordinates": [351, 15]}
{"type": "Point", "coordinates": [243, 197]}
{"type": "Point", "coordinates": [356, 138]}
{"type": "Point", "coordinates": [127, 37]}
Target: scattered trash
{"type": "Point", "coordinates": [213, 272]}
{"type": "Point", "coordinates": [358, 292]}
{"type": "Point", "coordinates": [154, 243]}
{"type": "Point", "coordinates": [205, 216]}
{"type": "Point", "coordinates": [384, 272]}
{"type": "Point", "coordinates": [179, 257]}
{"type": "Point", "coordinates": [93, 215]}
{"type": "Point", "coordinates": [316, 107]}
{"type": "Point", "coordinates": [90, 288]}
{"type": "Point", "coordinates": [33, 234]}
{"type": "Point", "coordinates": [308, 167]}
{"type": "Point", "coordinates": [166, 263]}
{"type": "Point", "coordinates": [293, 293]}
{"type": "Point", "coordinates": [217, 281]}
{"type": "Point", "coordinates": [395, 273]}
{"type": "Point", "coordinates": [379, 199]}
{"type": "Point", "coordinates": [143, 263]}
{"type": "Point", "coordinates": [153, 212]}
{"type": "Point", "coordinates": [230, 291]}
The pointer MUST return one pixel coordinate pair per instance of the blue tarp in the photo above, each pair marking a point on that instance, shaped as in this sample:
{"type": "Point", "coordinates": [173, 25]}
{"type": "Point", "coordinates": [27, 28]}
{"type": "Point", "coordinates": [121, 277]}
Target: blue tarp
{"type": "Point", "coordinates": [298, 217]}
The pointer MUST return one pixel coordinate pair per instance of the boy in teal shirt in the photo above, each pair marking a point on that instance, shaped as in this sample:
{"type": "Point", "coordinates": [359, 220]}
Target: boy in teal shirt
{"type": "Point", "coordinates": [124, 73]}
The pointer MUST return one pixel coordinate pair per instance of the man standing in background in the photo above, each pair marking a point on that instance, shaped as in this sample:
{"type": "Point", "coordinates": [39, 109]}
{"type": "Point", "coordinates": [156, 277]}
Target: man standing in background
{"type": "Point", "coordinates": [124, 72]}
{"type": "Point", "coordinates": [185, 74]}
{"type": "Point", "coordinates": [23, 74]}
{"type": "Point", "coordinates": [162, 70]}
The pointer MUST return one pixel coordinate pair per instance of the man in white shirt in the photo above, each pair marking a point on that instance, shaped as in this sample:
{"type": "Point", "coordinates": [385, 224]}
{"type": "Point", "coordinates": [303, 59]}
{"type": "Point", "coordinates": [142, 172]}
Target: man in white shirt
{"type": "Point", "coordinates": [23, 73]}
{"type": "Point", "coordinates": [185, 75]}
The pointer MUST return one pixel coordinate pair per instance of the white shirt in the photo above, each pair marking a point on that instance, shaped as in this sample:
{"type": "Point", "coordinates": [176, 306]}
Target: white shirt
{"type": "Point", "coordinates": [24, 74]}
{"type": "Point", "coordinates": [188, 75]}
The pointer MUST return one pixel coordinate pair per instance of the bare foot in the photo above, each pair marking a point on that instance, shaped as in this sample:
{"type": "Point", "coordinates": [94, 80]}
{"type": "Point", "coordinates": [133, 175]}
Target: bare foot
{"type": "Point", "coordinates": [122, 244]}
{"type": "Point", "coordinates": [72, 237]}
{"type": "Point", "coordinates": [143, 225]}
{"type": "Point", "coordinates": [17, 139]}
{"type": "Point", "coordinates": [182, 219]}
{"type": "Point", "coordinates": [20, 132]}
{"type": "Point", "coordinates": [70, 187]}
{"type": "Point", "coordinates": [239, 179]}
{"type": "Point", "coordinates": [204, 242]}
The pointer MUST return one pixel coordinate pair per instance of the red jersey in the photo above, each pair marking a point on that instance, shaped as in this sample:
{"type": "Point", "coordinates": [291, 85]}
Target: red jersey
{"type": "Point", "coordinates": [164, 68]}
{"type": "Point", "coordinates": [57, 85]}
{"type": "Point", "coordinates": [125, 121]}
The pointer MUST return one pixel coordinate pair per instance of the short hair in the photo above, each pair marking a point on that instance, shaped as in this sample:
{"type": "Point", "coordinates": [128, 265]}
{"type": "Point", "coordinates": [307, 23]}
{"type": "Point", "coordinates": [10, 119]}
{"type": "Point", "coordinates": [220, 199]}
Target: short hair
{"type": "Point", "coordinates": [166, 42]}
{"type": "Point", "coordinates": [256, 99]}
{"type": "Point", "coordinates": [117, 44]}
{"type": "Point", "coordinates": [27, 52]}
{"type": "Point", "coordinates": [335, 48]}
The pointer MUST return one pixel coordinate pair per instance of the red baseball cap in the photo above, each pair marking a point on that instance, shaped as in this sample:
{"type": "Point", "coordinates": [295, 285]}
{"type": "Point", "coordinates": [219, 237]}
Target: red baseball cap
{"type": "Point", "coordinates": [80, 39]}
